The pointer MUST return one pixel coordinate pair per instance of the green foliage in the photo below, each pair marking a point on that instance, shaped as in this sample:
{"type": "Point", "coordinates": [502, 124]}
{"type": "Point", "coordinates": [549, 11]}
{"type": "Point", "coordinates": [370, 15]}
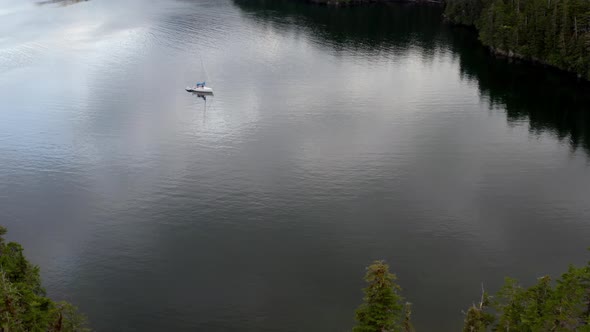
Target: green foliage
{"type": "Point", "coordinates": [382, 309]}
{"type": "Point", "coordinates": [465, 12]}
{"type": "Point", "coordinates": [564, 306]}
{"type": "Point", "coordinates": [23, 304]}
{"type": "Point", "coordinates": [407, 325]}
{"type": "Point", "coordinates": [476, 319]}
{"type": "Point", "coordinates": [554, 32]}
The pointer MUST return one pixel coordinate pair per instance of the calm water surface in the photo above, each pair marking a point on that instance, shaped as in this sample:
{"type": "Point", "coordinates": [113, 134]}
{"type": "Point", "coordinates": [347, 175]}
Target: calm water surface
{"type": "Point", "coordinates": [335, 137]}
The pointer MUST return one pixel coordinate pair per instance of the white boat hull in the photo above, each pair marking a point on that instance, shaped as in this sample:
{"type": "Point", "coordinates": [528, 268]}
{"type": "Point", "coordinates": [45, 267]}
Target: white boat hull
{"type": "Point", "coordinates": [199, 89]}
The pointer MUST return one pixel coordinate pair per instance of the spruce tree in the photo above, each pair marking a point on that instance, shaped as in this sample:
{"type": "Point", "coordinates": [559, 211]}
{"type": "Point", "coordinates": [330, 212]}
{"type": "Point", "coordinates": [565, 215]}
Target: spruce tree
{"type": "Point", "coordinates": [24, 305]}
{"type": "Point", "coordinates": [382, 310]}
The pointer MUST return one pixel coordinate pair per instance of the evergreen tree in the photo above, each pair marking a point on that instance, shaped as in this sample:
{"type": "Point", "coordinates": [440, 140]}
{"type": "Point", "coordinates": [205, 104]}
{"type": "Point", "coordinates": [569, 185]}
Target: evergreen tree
{"type": "Point", "coordinates": [407, 325]}
{"type": "Point", "coordinates": [382, 309]}
{"type": "Point", "coordinates": [23, 302]}
{"type": "Point", "coordinates": [476, 319]}
{"type": "Point", "coordinates": [541, 307]}
{"type": "Point", "coordinates": [554, 32]}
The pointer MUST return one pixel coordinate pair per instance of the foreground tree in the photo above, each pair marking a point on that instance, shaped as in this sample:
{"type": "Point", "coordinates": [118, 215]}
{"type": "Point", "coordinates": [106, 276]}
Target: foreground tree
{"type": "Point", "coordinates": [382, 310]}
{"type": "Point", "coordinates": [23, 303]}
{"type": "Point", "coordinates": [557, 306]}
{"type": "Point", "coordinates": [545, 306]}
{"type": "Point", "coordinates": [476, 318]}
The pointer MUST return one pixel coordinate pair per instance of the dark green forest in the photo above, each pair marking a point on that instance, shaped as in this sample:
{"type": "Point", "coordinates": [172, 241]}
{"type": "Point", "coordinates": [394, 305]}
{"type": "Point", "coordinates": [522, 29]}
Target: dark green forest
{"type": "Point", "coordinates": [560, 305]}
{"type": "Point", "coordinates": [24, 305]}
{"type": "Point", "coordinates": [552, 32]}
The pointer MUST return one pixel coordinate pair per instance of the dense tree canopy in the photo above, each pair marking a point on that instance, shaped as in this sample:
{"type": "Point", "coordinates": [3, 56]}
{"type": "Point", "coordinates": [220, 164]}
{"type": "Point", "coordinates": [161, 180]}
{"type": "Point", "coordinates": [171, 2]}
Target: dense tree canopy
{"type": "Point", "coordinates": [554, 32]}
{"type": "Point", "coordinates": [23, 302]}
{"type": "Point", "coordinates": [383, 307]}
{"type": "Point", "coordinates": [563, 305]}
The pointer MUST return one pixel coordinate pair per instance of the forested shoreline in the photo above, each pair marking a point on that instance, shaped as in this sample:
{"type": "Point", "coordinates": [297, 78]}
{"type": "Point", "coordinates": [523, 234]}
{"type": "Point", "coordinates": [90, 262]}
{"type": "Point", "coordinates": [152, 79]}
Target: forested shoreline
{"type": "Point", "coordinates": [549, 32]}
{"type": "Point", "coordinates": [547, 305]}
{"type": "Point", "coordinates": [560, 305]}
{"type": "Point", "coordinates": [24, 305]}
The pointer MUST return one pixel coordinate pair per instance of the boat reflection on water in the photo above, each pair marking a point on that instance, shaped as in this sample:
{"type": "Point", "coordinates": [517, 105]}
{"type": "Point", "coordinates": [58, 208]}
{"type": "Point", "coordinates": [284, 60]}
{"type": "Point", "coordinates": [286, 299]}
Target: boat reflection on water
{"type": "Point", "coordinates": [204, 96]}
{"type": "Point", "coordinates": [201, 94]}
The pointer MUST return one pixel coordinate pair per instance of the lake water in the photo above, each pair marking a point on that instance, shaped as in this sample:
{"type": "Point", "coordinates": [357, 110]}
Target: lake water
{"type": "Point", "coordinates": [335, 137]}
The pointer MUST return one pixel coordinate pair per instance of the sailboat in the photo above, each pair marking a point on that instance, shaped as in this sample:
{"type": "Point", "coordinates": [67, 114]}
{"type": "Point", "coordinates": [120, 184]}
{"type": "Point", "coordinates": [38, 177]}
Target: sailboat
{"type": "Point", "coordinates": [199, 88]}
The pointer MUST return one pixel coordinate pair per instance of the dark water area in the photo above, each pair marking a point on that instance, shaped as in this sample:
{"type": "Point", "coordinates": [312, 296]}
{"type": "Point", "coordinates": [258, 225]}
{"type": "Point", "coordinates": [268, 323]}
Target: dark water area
{"type": "Point", "coordinates": [335, 137]}
{"type": "Point", "coordinates": [551, 100]}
